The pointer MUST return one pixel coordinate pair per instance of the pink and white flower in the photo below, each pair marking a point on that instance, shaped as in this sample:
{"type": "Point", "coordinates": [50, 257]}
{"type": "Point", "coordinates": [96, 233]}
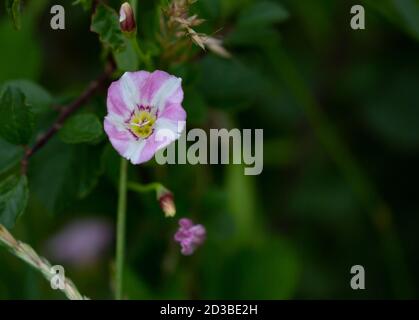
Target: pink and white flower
{"type": "Point", "coordinates": [144, 113]}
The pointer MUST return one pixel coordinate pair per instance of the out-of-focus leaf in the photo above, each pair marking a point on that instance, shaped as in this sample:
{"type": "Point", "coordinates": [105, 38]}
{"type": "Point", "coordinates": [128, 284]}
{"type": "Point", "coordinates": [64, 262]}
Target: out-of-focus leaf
{"type": "Point", "coordinates": [86, 4]}
{"type": "Point", "coordinates": [13, 10]}
{"type": "Point", "coordinates": [20, 50]}
{"type": "Point", "coordinates": [9, 155]}
{"type": "Point", "coordinates": [268, 271]}
{"type": "Point", "coordinates": [16, 117]}
{"type": "Point", "coordinates": [323, 198]}
{"type": "Point", "coordinates": [105, 23]}
{"type": "Point", "coordinates": [231, 7]}
{"type": "Point", "coordinates": [262, 13]}
{"type": "Point", "coordinates": [254, 37]}
{"type": "Point", "coordinates": [80, 128]}
{"type": "Point", "coordinates": [36, 97]}
{"type": "Point", "coordinates": [242, 203]}
{"type": "Point", "coordinates": [88, 170]}
{"type": "Point", "coordinates": [255, 25]}
{"type": "Point", "coordinates": [393, 113]}
{"type": "Point", "coordinates": [195, 106]}
{"type": "Point", "coordinates": [403, 13]}
{"type": "Point", "coordinates": [134, 288]}
{"type": "Point", "coordinates": [231, 84]}
{"type": "Point", "coordinates": [409, 11]}
{"type": "Point", "coordinates": [13, 199]}
{"type": "Point", "coordinates": [61, 174]}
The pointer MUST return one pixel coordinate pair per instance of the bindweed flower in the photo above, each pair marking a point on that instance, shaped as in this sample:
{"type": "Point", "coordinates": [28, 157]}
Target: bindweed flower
{"type": "Point", "coordinates": [166, 202]}
{"type": "Point", "coordinates": [144, 114]}
{"type": "Point", "coordinates": [127, 18]}
{"type": "Point", "coordinates": [189, 236]}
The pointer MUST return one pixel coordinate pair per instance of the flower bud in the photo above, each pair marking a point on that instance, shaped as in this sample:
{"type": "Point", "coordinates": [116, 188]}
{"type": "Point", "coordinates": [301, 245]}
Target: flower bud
{"type": "Point", "coordinates": [127, 18]}
{"type": "Point", "coordinates": [166, 202]}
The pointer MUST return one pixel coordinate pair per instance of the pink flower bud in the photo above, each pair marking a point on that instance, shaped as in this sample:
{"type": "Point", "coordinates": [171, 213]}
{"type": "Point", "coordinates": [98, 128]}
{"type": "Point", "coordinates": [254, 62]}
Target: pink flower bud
{"type": "Point", "coordinates": [166, 202]}
{"type": "Point", "coordinates": [127, 18]}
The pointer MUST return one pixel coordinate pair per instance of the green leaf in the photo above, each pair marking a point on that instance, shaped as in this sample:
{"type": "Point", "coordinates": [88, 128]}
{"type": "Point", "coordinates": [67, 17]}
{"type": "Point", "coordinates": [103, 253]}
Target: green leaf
{"type": "Point", "coordinates": [252, 36]}
{"type": "Point", "coordinates": [88, 167]}
{"type": "Point", "coordinates": [105, 23]}
{"type": "Point", "coordinates": [409, 11]}
{"type": "Point", "coordinates": [37, 97]}
{"type": "Point", "coordinates": [262, 14]}
{"type": "Point", "coordinates": [16, 117]}
{"type": "Point", "coordinates": [195, 106]}
{"type": "Point", "coordinates": [61, 174]}
{"type": "Point", "coordinates": [242, 203]}
{"type": "Point", "coordinates": [403, 13]}
{"type": "Point", "coordinates": [13, 199]}
{"type": "Point", "coordinates": [86, 4]}
{"type": "Point", "coordinates": [237, 88]}
{"type": "Point", "coordinates": [10, 155]}
{"type": "Point", "coordinates": [81, 128]}
{"type": "Point", "coordinates": [20, 50]}
{"type": "Point", "coordinates": [13, 9]}
{"type": "Point", "coordinates": [274, 269]}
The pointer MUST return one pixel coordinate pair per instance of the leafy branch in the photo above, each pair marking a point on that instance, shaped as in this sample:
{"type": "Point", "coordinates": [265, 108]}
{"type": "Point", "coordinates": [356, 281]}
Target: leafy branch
{"type": "Point", "coordinates": [67, 111]}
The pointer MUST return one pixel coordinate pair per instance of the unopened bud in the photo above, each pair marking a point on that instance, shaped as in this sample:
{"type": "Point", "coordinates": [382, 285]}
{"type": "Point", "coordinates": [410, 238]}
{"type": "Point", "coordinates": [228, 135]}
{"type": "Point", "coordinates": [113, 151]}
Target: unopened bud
{"type": "Point", "coordinates": [167, 203]}
{"type": "Point", "coordinates": [127, 18]}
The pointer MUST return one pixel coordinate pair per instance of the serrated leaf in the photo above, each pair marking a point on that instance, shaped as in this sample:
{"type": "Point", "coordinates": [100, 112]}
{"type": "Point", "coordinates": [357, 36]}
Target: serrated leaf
{"type": "Point", "coordinates": [81, 128]}
{"type": "Point", "coordinates": [16, 117]}
{"type": "Point", "coordinates": [37, 97]}
{"type": "Point", "coordinates": [13, 10]}
{"type": "Point", "coordinates": [105, 22]}
{"type": "Point", "coordinates": [13, 199]}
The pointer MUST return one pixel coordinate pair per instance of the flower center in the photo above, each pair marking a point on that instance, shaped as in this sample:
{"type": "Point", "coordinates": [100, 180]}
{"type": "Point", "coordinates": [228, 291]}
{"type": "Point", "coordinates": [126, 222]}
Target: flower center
{"type": "Point", "coordinates": [141, 124]}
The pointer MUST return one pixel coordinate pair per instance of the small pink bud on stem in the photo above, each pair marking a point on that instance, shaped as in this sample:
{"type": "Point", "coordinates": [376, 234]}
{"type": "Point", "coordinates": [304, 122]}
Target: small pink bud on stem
{"type": "Point", "coordinates": [127, 18]}
{"type": "Point", "coordinates": [166, 201]}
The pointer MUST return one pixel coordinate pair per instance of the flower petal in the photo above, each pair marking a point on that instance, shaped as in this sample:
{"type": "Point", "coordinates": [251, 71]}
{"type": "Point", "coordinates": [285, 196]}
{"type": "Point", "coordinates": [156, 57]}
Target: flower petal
{"type": "Point", "coordinates": [115, 103]}
{"type": "Point", "coordinates": [173, 112]}
{"type": "Point", "coordinates": [130, 86]}
{"type": "Point", "coordinates": [135, 151]}
{"type": "Point", "coordinates": [161, 88]}
{"type": "Point", "coordinates": [120, 140]}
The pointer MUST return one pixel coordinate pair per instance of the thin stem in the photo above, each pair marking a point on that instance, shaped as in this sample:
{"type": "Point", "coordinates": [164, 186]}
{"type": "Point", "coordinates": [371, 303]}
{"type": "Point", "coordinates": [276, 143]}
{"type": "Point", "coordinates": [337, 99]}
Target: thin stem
{"type": "Point", "coordinates": [145, 58]}
{"type": "Point", "coordinates": [120, 229]}
{"type": "Point", "coordinates": [137, 187]}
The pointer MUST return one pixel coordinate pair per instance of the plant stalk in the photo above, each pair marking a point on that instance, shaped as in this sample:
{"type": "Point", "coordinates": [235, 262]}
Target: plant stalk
{"type": "Point", "coordinates": [120, 229]}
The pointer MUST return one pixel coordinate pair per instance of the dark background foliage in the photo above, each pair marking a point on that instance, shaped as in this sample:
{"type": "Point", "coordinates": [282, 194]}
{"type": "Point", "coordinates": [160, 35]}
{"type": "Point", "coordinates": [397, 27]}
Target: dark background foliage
{"type": "Point", "coordinates": [340, 113]}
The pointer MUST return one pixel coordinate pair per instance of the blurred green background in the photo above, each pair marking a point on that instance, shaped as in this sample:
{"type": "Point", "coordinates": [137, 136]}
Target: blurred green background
{"type": "Point", "coordinates": [340, 113]}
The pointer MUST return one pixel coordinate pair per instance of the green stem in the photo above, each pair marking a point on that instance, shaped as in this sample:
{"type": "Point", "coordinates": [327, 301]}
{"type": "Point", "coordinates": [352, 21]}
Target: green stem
{"type": "Point", "coordinates": [120, 229]}
{"type": "Point", "coordinates": [145, 58]}
{"type": "Point", "coordinates": [137, 187]}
